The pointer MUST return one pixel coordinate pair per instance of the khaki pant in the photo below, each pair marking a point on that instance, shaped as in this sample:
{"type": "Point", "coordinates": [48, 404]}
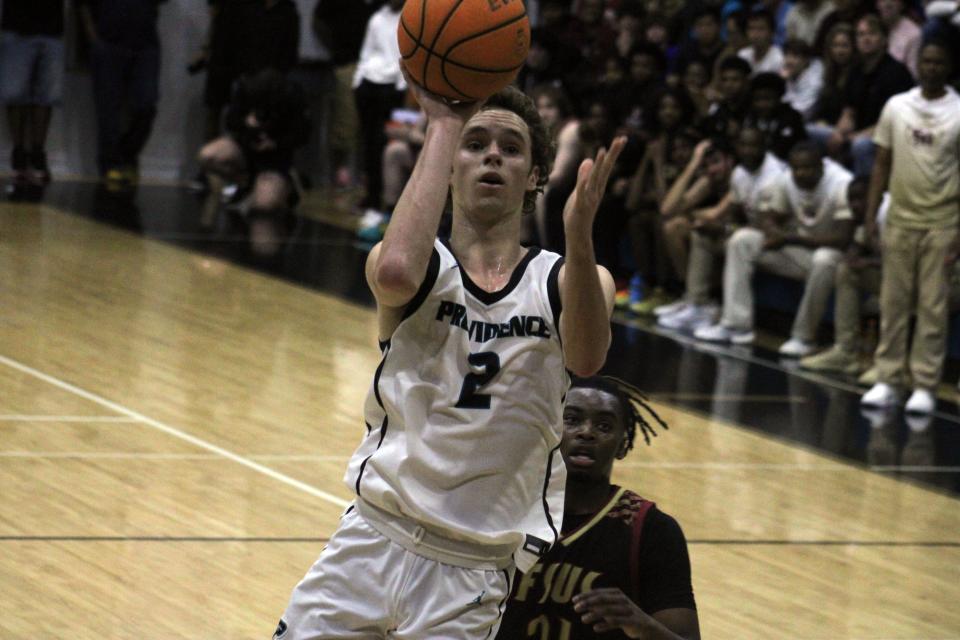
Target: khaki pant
{"type": "Point", "coordinates": [914, 279]}
{"type": "Point", "coordinates": [344, 121]}
{"type": "Point", "coordinates": [815, 266]}
{"type": "Point", "coordinates": [851, 284]}
{"type": "Point", "coordinates": [705, 253]}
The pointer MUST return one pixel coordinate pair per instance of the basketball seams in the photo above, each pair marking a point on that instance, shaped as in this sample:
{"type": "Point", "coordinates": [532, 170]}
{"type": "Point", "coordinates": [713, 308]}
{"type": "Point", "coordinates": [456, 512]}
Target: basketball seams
{"type": "Point", "coordinates": [443, 25]}
{"type": "Point", "coordinates": [461, 71]}
{"type": "Point", "coordinates": [445, 59]}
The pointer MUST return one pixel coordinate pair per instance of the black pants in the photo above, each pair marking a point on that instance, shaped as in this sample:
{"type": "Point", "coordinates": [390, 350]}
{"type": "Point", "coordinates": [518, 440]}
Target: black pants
{"type": "Point", "coordinates": [128, 78]}
{"type": "Point", "coordinates": [375, 102]}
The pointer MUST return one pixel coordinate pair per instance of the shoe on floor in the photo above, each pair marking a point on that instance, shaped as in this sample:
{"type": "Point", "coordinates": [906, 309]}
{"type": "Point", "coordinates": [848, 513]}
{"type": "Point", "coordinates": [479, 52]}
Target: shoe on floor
{"type": "Point", "coordinates": [921, 401]}
{"type": "Point", "coordinates": [796, 348]}
{"type": "Point", "coordinates": [836, 358]}
{"type": "Point", "coordinates": [372, 225]}
{"type": "Point", "coordinates": [690, 318]}
{"type": "Point", "coordinates": [666, 308]}
{"type": "Point", "coordinates": [647, 306]}
{"type": "Point", "coordinates": [880, 395]}
{"type": "Point", "coordinates": [720, 333]}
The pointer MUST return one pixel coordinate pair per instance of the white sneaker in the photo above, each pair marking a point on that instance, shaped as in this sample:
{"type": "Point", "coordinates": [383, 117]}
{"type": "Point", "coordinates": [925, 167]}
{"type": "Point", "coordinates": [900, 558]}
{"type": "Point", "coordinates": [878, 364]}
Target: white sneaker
{"type": "Point", "coordinates": [667, 309]}
{"type": "Point", "coordinates": [921, 401]}
{"type": "Point", "coordinates": [720, 333]}
{"type": "Point", "coordinates": [795, 348]}
{"type": "Point", "coordinates": [880, 395]}
{"type": "Point", "coordinates": [691, 317]}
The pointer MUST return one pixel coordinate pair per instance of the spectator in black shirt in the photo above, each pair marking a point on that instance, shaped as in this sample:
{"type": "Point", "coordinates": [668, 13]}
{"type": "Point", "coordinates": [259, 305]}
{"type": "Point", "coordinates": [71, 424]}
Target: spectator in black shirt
{"type": "Point", "coordinates": [705, 46]}
{"type": "Point", "coordinates": [31, 82]}
{"type": "Point", "coordinates": [839, 57]}
{"type": "Point", "coordinates": [623, 561]}
{"type": "Point", "coordinates": [125, 59]}
{"type": "Point", "coordinates": [781, 124]}
{"type": "Point", "coordinates": [726, 115]}
{"type": "Point", "coordinates": [875, 79]}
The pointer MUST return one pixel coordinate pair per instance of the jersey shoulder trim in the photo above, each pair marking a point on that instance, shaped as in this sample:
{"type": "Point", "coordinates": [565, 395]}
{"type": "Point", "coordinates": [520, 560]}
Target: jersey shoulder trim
{"type": "Point", "coordinates": [553, 292]}
{"type": "Point", "coordinates": [433, 270]}
{"type": "Point", "coordinates": [577, 533]}
{"type": "Point", "coordinates": [488, 297]}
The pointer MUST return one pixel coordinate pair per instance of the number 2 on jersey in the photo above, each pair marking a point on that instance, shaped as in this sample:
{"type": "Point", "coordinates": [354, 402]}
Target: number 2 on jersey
{"type": "Point", "coordinates": [489, 364]}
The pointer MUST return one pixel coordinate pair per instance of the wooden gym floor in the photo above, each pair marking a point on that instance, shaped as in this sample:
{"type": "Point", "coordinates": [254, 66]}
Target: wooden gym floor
{"type": "Point", "coordinates": [175, 419]}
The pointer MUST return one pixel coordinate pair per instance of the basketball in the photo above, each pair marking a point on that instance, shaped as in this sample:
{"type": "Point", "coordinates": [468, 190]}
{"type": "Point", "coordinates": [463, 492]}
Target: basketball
{"type": "Point", "coordinates": [463, 50]}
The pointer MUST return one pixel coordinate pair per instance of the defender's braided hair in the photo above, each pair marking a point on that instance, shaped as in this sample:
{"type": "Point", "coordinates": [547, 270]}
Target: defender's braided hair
{"type": "Point", "coordinates": [633, 403]}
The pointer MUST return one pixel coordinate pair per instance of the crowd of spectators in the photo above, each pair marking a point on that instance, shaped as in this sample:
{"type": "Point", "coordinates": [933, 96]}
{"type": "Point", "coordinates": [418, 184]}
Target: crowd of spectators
{"type": "Point", "coordinates": [752, 131]}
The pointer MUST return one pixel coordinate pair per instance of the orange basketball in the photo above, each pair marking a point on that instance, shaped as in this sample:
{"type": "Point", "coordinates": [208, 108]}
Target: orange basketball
{"type": "Point", "coordinates": [463, 49]}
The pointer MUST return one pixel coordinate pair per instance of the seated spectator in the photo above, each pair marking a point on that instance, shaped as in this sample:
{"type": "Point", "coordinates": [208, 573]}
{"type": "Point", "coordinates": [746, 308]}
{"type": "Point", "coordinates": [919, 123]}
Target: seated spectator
{"type": "Point", "coordinates": [726, 114]}
{"type": "Point", "coordinates": [762, 54]}
{"type": "Point", "coordinates": [655, 283]}
{"type": "Point", "coordinates": [779, 10]}
{"type": "Point", "coordinates": [804, 19]}
{"type": "Point", "coordinates": [629, 28]}
{"type": "Point", "coordinates": [266, 121]}
{"type": "Point", "coordinates": [803, 73]}
{"type": "Point", "coordinates": [647, 66]}
{"type": "Point", "coordinates": [805, 224]}
{"type": "Point", "coordinates": [858, 275]}
{"type": "Point", "coordinates": [705, 46]}
{"type": "Point", "coordinates": [546, 61]}
{"type": "Point", "coordinates": [627, 555]}
{"type": "Point", "coordinates": [405, 135]}
{"type": "Point", "coordinates": [904, 35]}
{"type": "Point", "coordinates": [751, 179]}
{"type": "Point", "coordinates": [695, 79]}
{"type": "Point", "coordinates": [557, 114]}
{"type": "Point", "coordinates": [698, 197]}
{"type": "Point", "coordinates": [872, 82]}
{"type": "Point", "coordinates": [779, 122]}
{"type": "Point", "coordinates": [918, 158]}
{"type": "Point", "coordinates": [839, 57]}
{"type": "Point", "coordinates": [846, 11]}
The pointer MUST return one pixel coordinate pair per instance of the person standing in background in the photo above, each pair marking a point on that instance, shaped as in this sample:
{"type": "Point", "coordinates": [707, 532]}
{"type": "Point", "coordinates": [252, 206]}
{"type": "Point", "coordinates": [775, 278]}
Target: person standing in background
{"type": "Point", "coordinates": [31, 83]}
{"type": "Point", "coordinates": [340, 25]}
{"type": "Point", "coordinates": [125, 58]}
{"type": "Point", "coordinates": [918, 156]}
{"type": "Point", "coordinates": [378, 88]}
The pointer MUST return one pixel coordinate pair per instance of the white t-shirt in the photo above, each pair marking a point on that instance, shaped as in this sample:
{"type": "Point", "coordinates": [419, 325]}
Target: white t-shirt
{"type": "Point", "coordinates": [924, 139]}
{"type": "Point", "coordinates": [465, 414]}
{"type": "Point", "coordinates": [749, 189]}
{"type": "Point", "coordinates": [814, 211]}
{"type": "Point", "coordinates": [772, 61]}
{"type": "Point", "coordinates": [380, 54]}
{"type": "Point", "coordinates": [803, 92]}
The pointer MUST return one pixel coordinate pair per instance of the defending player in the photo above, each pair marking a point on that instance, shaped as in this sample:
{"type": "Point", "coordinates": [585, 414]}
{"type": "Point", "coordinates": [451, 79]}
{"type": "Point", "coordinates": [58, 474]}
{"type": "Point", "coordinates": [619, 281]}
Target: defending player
{"type": "Point", "coordinates": [621, 564]}
{"type": "Point", "coordinates": [459, 480]}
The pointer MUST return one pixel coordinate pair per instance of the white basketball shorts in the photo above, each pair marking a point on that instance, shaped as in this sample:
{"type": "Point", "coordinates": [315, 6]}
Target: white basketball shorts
{"type": "Point", "coordinates": [364, 585]}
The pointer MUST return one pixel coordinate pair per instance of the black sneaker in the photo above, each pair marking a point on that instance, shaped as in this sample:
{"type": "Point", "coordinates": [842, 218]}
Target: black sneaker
{"type": "Point", "coordinates": [39, 170]}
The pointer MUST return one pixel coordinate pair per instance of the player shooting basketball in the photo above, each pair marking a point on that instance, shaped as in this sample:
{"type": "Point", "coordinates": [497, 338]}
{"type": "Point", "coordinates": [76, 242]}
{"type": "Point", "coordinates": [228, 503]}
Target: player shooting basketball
{"type": "Point", "coordinates": [459, 479]}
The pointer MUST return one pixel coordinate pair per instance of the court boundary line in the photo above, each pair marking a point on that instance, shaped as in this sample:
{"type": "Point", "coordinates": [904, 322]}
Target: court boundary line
{"type": "Point", "coordinates": [14, 417]}
{"type": "Point", "coordinates": [172, 431]}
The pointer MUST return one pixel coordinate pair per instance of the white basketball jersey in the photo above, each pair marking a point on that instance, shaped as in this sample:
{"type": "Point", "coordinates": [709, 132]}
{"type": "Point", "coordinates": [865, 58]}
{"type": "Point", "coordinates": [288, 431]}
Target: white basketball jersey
{"type": "Point", "coordinates": [464, 417]}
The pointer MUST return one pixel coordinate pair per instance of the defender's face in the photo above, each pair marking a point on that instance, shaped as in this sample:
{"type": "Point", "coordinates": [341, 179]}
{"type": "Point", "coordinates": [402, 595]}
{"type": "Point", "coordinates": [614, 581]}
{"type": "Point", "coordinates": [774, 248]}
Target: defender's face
{"type": "Point", "coordinates": [492, 166]}
{"type": "Point", "coordinates": [593, 433]}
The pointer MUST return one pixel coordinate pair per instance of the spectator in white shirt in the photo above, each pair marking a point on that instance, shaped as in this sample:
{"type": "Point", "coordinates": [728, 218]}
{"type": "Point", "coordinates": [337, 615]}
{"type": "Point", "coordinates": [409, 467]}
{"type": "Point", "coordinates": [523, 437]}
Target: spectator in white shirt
{"type": "Point", "coordinates": [803, 226]}
{"type": "Point", "coordinates": [805, 17]}
{"type": "Point", "coordinates": [762, 54]}
{"type": "Point", "coordinates": [804, 77]}
{"type": "Point", "coordinates": [379, 88]}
